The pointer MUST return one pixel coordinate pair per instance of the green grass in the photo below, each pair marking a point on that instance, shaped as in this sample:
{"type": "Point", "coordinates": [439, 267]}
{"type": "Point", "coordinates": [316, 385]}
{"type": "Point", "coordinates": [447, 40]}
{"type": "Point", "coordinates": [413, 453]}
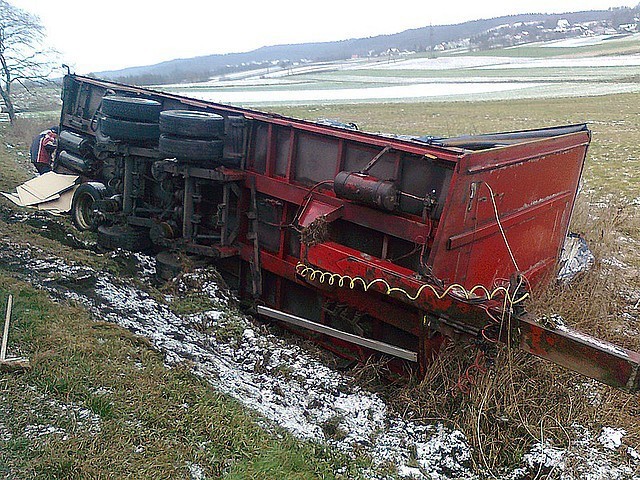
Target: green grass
{"type": "Point", "coordinates": [153, 421]}
{"type": "Point", "coordinates": [608, 47]}
{"type": "Point", "coordinates": [605, 74]}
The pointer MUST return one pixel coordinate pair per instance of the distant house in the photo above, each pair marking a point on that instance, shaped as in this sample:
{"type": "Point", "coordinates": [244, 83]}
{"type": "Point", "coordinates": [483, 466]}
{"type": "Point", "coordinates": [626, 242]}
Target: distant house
{"type": "Point", "coordinates": [562, 25]}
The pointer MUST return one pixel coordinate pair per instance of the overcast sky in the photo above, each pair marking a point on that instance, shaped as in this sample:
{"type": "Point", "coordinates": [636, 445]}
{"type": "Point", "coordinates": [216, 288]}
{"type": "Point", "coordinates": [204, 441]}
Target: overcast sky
{"type": "Point", "coordinates": [105, 35]}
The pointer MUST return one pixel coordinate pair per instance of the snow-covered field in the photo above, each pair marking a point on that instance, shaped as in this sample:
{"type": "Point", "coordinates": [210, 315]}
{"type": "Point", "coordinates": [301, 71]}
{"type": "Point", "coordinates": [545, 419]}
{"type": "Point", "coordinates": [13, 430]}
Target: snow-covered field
{"type": "Point", "coordinates": [424, 92]}
{"type": "Point", "coordinates": [491, 62]}
{"type": "Point", "coordinates": [348, 95]}
{"type": "Point", "coordinates": [446, 78]}
{"type": "Point", "coordinates": [588, 41]}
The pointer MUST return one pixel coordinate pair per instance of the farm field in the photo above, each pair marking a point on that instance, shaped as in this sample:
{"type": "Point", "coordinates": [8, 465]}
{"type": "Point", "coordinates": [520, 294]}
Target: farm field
{"type": "Point", "coordinates": [597, 66]}
{"type": "Point", "coordinates": [614, 155]}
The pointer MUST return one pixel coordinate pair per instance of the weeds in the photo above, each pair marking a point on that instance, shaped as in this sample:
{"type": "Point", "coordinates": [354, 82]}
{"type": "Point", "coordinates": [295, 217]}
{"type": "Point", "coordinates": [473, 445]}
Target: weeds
{"type": "Point", "coordinates": [521, 400]}
{"type": "Point", "coordinates": [332, 429]}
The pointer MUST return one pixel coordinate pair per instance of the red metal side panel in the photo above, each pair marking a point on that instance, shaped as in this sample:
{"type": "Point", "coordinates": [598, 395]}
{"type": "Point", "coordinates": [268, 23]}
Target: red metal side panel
{"type": "Point", "coordinates": [533, 185]}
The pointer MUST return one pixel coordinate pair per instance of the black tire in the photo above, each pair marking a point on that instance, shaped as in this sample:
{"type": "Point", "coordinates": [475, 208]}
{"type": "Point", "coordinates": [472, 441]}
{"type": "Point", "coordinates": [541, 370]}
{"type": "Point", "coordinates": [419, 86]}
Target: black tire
{"type": "Point", "coordinates": [192, 124]}
{"type": "Point", "coordinates": [190, 149]}
{"type": "Point", "coordinates": [83, 211]}
{"type": "Point", "coordinates": [125, 237]}
{"type": "Point", "coordinates": [137, 109]}
{"type": "Point", "coordinates": [168, 266]}
{"type": "Point", "coordinates": [119, 129]}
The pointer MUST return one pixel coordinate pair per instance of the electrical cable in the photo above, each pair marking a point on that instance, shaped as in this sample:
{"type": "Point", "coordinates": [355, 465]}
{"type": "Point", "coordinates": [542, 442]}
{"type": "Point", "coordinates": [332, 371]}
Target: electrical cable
{"type": "Point", "coordinates": [504, 236]}
{"type": "Point", "coordinates": [455, 290]}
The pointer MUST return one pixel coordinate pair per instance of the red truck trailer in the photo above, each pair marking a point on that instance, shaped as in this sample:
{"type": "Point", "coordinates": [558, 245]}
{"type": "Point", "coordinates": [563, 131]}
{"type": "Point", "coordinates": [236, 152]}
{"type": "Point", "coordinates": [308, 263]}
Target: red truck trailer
{"type": "Point", "coordinates": [370, 244]}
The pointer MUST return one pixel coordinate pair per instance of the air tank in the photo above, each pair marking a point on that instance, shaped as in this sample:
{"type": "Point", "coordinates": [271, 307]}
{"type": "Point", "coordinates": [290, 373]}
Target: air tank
{"type": "Point", "coordinates": [362, 188]}
{"type": "Point", "coordinates": [73, 143]}
{"type": "Point", "coordinates": [71, 162]}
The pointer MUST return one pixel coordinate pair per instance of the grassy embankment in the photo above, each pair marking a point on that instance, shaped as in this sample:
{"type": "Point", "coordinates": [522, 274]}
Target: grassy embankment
{"type": "Point", "coordinates": [524, 400]}
{"type": "Point", "coordinates": [99, 403]}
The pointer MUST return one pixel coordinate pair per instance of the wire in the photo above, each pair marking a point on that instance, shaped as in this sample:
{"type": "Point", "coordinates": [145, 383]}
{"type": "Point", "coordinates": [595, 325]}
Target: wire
{"type": "Point", "coordinates": [455, 290]}
{"type": "Point", "coordinates": [307, 197]}
{"type": "Point", "coordinates": [511, 297]}
{"type": "Point", "coordinates": [468, 378]}
{"type": "Point", "coordinates": [504, 236]}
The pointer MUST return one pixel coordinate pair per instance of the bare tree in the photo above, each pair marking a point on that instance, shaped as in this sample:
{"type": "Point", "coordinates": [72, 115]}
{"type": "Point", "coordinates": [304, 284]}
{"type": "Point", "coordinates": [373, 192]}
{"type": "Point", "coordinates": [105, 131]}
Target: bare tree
{"type": "Point", "coordinates": [23, 59]}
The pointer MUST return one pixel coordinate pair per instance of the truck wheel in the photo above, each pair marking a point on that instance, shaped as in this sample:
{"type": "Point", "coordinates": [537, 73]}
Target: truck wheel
{"type": "Point", "coordinates": [168, 266]}
{"type": "Point", "coordinates": [137, 109]}
{"type": "Point", "coordinates": [190, 148]}
{"type": "Point", "coordinates": [123, 236]}
{"type": "Point", "coordinates": [119, 129]}
{"type": "Point", "coordinates": [192, 124]}
{"type": "Point", "coordinates": [83, 211]}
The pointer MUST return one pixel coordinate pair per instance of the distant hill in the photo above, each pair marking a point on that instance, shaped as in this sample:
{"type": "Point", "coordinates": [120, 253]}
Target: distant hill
{"type": "Point", "coordinates": [418, 39]}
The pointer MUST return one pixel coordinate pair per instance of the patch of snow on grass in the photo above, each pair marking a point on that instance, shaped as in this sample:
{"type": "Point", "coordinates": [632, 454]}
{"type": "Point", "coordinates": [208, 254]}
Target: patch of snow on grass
{"type": "Point", "coordinates": [545, 456]}
{"type": "Point", "coordinates": [611, 438]}
{"type": "Point", "coordinates": [281, 381]}
{"type": "Point", "coordinates": [284, 383]}
{"type": "Point", "coordinates": [36, 431]}
{"type": "Point", "coordinates": [196, 472]}
{"type": "Point", "coordinates": [5, 434]}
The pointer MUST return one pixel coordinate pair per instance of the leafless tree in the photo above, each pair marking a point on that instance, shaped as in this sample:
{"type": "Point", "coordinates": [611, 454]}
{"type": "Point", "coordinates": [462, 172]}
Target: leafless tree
{"type": "Point", "coordinates": [23, 58]}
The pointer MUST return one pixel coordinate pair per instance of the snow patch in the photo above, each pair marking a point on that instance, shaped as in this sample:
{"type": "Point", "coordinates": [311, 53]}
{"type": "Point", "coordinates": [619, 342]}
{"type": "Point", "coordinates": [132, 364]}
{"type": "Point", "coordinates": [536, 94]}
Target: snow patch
{"type": "Point", "coordinates": [611, 438]}
{"type": "Point", "coordinates": [5, 434]}
{"type": "Point", "coordinates": [196, 472]}
{"type": "Point", "coordinates": [544, 455]}
{"type": "Point", "coordinates": [36, 431]}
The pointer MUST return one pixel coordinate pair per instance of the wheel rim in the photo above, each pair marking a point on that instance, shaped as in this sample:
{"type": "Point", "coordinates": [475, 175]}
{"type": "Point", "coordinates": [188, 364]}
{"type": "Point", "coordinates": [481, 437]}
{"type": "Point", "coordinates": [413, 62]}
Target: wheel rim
{"type": "Point", "coordinates": [84, 212]}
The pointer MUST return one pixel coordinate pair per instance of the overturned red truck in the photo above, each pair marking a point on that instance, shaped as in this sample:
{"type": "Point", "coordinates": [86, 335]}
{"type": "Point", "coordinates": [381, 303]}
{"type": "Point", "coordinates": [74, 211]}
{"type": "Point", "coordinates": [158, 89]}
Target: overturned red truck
{"type": "Point", "coordinates": [369, 243]}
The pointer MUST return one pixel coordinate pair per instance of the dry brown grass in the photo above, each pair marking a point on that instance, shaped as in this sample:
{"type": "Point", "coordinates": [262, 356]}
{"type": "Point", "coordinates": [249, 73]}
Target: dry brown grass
{"type": "Point", "coordinates": [16, 140]}
{"type": "Point", "coordinates": [22, 132]}
{"type": "Point", "coordinates": [521, 400]}
{"type": "Point", "coordinates": [518, 401]}
{"type": "Point", "coordinates": [597, 301]}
